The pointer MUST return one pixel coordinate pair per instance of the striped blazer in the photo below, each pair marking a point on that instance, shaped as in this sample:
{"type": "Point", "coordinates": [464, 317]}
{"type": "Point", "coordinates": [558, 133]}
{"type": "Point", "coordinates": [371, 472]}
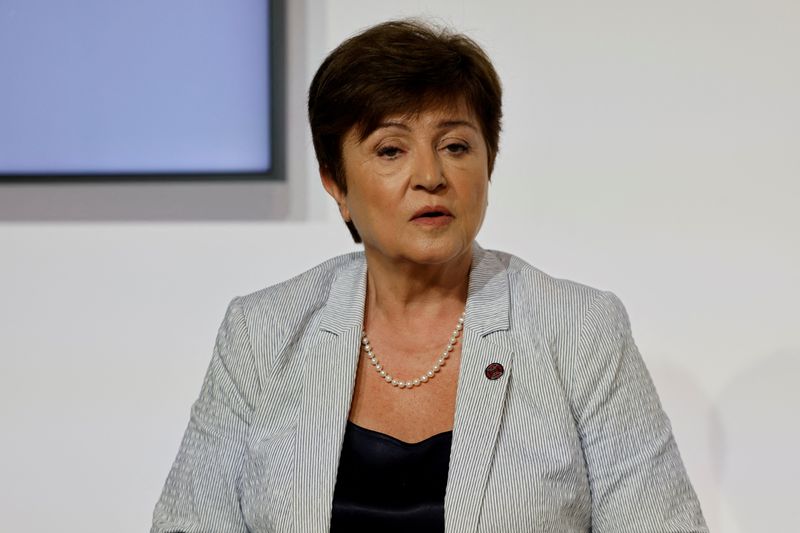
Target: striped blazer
{"type": "Point", "coordinates": [571, 438]}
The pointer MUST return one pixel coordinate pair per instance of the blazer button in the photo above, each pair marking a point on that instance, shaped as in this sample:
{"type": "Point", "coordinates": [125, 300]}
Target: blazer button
{"type": "Point", "coordinates": [494, 371]}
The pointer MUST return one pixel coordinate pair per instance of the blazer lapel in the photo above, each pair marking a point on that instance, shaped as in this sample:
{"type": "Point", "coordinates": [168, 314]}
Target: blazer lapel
{"type": "Point", "coordinates": [325, 400]}
{"type": "Point", "coordinates": [479, 400]}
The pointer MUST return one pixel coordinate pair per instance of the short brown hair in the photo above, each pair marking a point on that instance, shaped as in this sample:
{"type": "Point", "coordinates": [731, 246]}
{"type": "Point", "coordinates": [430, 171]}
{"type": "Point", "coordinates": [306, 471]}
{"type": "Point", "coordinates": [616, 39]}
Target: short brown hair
{"type": "Point", "coordinates": [403, 66]}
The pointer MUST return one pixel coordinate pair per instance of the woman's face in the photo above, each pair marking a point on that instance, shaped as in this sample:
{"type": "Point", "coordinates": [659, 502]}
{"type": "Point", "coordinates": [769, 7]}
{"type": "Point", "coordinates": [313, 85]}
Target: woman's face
{"type": "Point", "coordinates": [417, 187]}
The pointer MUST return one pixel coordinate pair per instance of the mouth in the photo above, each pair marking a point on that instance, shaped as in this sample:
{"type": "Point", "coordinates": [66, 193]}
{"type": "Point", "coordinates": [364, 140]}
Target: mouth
{"type": "Point", "coordinates": [431, 212]}
{"type": "Point", "coordinates": [432, 216]}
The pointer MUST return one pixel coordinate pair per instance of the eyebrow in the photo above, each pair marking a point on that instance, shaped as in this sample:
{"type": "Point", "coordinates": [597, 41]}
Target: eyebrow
{"type": "Point", "coordinates": [445, 124]}
{"type": "Point", "coordinates": [392, 124]}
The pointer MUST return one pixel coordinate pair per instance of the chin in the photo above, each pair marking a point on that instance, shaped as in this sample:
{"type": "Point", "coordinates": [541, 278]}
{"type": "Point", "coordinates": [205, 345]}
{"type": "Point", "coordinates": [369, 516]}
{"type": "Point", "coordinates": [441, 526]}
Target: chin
{"type": "Point", "coordinates": [437, 251]}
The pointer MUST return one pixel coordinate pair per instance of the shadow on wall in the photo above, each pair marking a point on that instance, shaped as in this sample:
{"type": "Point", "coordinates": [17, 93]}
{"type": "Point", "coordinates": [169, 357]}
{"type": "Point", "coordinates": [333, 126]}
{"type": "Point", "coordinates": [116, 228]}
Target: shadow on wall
{"type": "Point", "coordinates": [759, 465]}
{"type": "Point", "coordinates": [743, 443]}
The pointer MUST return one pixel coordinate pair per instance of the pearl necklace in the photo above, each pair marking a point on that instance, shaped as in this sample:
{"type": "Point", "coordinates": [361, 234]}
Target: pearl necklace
{"type": "Point", "coordinates": [424, 377]}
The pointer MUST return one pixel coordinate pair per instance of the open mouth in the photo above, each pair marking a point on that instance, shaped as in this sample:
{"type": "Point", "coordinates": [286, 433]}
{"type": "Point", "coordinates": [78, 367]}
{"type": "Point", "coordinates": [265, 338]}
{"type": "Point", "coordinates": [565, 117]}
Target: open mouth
{"type": "Point", "coordinates": [432, 216]}
{"type": "Point", "coordinates": [432, 212]}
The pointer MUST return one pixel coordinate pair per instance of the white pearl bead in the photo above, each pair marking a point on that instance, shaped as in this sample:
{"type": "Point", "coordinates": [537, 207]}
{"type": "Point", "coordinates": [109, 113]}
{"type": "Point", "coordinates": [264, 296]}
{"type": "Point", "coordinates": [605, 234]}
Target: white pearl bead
{"type": "Point", "coordinates": [461, 320]}
{"type": "Point", "coordinates": [424, 378]}
{"type": "Point", "coordinates": [378, 367]}
{"type": "Point", "coordinates": [450, 348]}
{"type": "Point", "coordinates": [460, 326]}
{"type": "Point", "coordinates": [394, 382]}
{"type": "Point", "coordinates": [373, 361]}
{"type": "Point", "coordinates": [446, 354]}
{"type": "Point", "coordinates": [441, 361]}
{"type": "Point", "coordinates": [435, 368]}
{"type": "Point", "coordinates": [387, 377]}
{"type": "Point", "coordinates": [416, 382]}
{"type": "Point", "coordinates": [429, 373]}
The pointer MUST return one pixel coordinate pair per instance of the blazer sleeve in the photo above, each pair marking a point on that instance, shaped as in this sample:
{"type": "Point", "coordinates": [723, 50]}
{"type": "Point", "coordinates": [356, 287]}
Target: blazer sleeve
{"type": "Point", "coordinates": [201, 491]}
{"type": "Point", "coordinates": [637, 480]}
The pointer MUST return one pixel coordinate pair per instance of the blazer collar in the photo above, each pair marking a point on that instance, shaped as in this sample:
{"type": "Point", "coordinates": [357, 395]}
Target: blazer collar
{"type": "Point", "coordinates": [488, 300]}
{"type": "Point", "coordinates": [344, 310]}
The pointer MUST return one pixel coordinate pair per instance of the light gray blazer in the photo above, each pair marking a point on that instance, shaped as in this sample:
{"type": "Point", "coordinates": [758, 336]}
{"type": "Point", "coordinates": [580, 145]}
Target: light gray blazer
{"type": "Point", "coordinates": [571, 438]}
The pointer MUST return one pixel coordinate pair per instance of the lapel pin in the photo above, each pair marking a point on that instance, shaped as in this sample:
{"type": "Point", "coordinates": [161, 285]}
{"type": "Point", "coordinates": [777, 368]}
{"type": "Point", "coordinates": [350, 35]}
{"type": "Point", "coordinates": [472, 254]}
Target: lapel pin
{"type": "Point", "coordinates": [494, 371]}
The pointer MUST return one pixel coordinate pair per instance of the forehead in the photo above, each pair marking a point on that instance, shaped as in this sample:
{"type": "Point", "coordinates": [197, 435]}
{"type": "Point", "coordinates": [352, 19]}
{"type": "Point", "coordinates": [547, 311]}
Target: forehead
{"type": "Point", "coordinates": [433, 115]}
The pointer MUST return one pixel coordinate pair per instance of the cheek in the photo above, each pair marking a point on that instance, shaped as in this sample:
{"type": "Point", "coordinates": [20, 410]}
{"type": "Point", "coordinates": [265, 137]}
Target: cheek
{"type": "Point", "coordinates": [380, 196]}
{"type": "Point", "coordinates": [481, 201]}
{"type": "Point", "coordinates": [375, 209]}
{"type": "Point", "coordinates": [478, 191]}
{"type": "Point", "coordinates": [371, 203]}
{"type": "Point", "coordinates": [478, 202]}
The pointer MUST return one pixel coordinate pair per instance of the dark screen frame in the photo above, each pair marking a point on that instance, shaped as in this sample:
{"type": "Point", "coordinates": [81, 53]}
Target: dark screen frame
{"type": "Point", "coordinates": [277, 106]}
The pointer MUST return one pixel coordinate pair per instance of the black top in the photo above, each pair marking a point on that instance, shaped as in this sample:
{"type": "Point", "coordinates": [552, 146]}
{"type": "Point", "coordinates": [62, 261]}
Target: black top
{"type": "Point", "coordinates": [385, 484]}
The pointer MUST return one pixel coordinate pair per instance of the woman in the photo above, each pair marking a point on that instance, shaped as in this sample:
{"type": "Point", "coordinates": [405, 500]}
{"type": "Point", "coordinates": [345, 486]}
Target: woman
{"type": "Point", "coordinates": [425, 383]}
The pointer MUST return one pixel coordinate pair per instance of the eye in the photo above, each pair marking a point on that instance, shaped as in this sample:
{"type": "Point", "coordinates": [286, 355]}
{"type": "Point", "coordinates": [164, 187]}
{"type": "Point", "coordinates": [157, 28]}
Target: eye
{"type": "Point", "coordinates": [389, 152]}
{"type": "Point", "coordinates": [457, 148]}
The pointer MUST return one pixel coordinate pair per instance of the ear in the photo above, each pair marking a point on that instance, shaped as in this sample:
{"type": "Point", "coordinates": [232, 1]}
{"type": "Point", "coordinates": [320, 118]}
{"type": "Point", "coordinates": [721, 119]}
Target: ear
{"type": "Point", "coordinates": [336, 192]}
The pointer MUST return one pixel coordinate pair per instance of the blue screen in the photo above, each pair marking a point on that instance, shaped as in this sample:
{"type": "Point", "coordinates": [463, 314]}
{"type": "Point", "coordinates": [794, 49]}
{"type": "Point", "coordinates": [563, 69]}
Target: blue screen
{"type": "Point", "coordinates": [134, 86]}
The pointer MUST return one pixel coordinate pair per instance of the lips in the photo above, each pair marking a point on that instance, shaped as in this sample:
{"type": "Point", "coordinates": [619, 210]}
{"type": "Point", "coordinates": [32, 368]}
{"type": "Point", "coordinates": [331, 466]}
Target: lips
{"type": "Point", "coordinates": [433, 211]}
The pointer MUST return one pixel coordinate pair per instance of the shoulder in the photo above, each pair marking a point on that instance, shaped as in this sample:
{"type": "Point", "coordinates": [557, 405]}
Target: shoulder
{"type": "Point", "coordinates": [581, 328]}
{"type": "Point", "coordinates": [277, 315]}
{"type": "Point", "coordinates": [548, 299]}
{"type": "Point", "coordinates": [564, 318]}
{"type": "Point", "coordinates": [292, 299]}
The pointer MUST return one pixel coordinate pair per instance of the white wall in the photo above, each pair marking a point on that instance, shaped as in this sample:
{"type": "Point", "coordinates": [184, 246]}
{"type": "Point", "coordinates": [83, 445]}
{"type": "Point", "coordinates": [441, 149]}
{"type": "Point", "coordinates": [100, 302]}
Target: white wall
{"type": "Point", "coordinates": [650, 148]}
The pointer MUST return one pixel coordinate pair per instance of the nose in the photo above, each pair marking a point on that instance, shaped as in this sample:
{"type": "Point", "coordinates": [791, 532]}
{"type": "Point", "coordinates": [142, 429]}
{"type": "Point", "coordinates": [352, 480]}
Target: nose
{"type": "Point", "coordinates": [428, 172]}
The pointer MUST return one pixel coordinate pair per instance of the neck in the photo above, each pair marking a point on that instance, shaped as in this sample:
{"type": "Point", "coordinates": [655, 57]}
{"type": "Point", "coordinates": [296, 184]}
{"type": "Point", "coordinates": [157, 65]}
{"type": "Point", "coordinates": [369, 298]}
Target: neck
{"type": "Point", "coordinates": [403, 291]}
